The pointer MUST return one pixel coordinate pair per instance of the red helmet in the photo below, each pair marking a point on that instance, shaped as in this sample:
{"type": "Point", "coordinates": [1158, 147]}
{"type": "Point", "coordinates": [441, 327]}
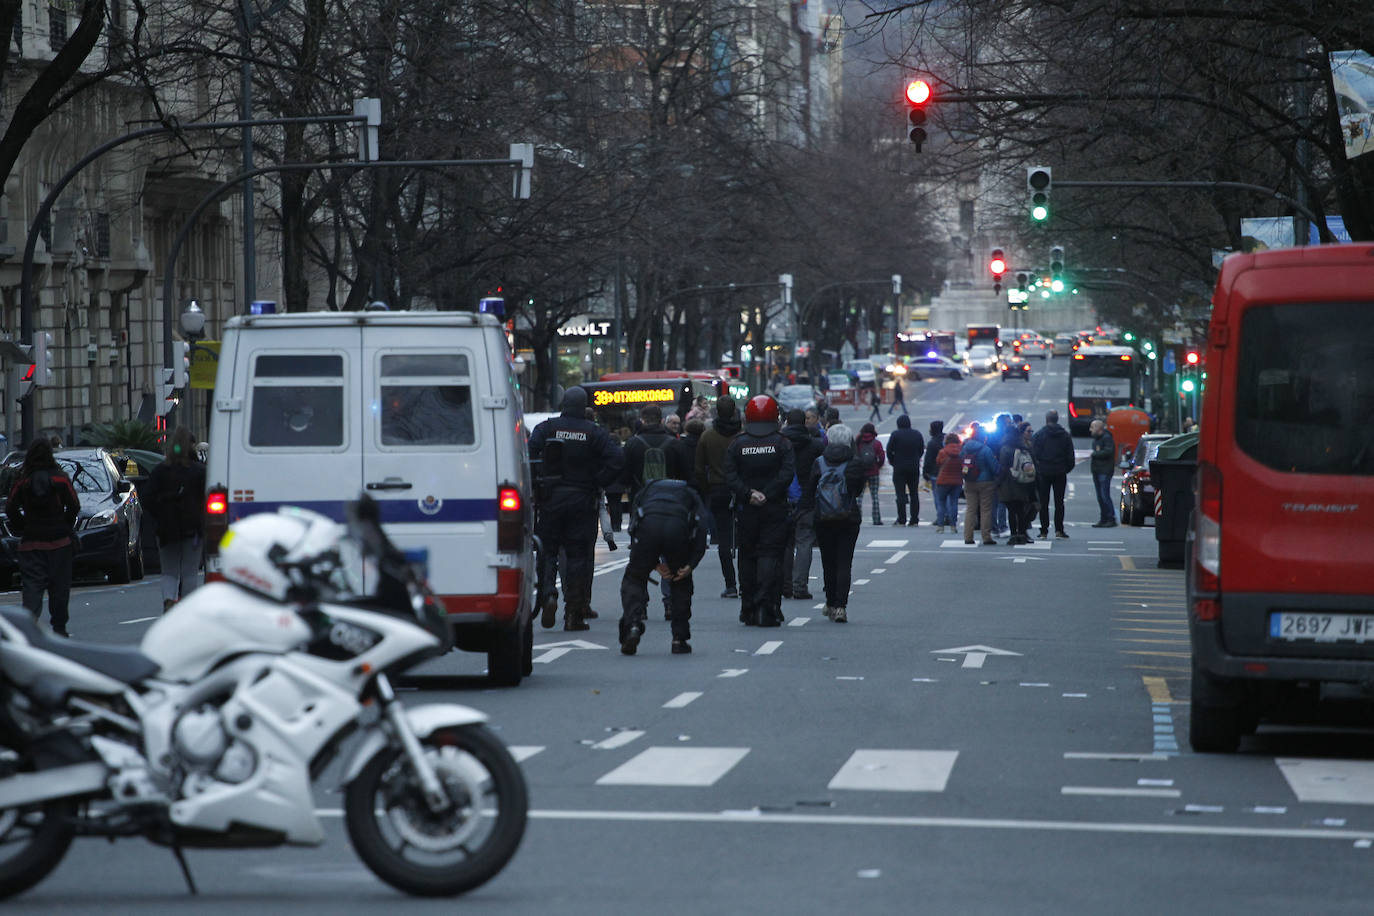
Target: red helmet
{"type": "Point", "coordinates": [761, 415]}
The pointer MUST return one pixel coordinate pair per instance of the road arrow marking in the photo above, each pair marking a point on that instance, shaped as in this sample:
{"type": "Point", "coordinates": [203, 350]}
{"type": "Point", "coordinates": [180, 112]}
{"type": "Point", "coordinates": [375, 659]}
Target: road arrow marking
{"type": "Point", "coordinates": [557, 650]}
{"type": "Point", "coordinates": [974, 656]}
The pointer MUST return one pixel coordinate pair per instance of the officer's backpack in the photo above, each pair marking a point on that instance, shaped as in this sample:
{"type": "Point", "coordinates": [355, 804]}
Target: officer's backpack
{"type": "Point", "coordinates": [833, 501]}
{"type": "Point", "coordinates": [655, 462]}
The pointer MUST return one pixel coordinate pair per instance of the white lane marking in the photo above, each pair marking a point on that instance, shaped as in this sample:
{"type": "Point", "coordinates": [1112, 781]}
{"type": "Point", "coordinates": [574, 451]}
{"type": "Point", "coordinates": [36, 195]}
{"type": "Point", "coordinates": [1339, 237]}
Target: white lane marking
{"type": "Point", "coordinates": [897, 557]}
{"type": "Point", "coordinates": [1076, 695]}
{"type": "Point", "coordinates": [769, 647]}
{"type": "Point", "coordinates": [611, 566]}
{"type": "Point", "coordinates": [860, 581]}
{"type": "Point", "coordinates": [895, 771]}
{"type": "Point", "coordinates": [877, 572]}
{"type": "Point", "coordinates": [1111, 755]}
{"type": "Point", "coordinates": [732, 672]}
{"type": "Point", "coordinates": [1128, 791]}
{"type": "Point", "coordinates": [849, 677]}
{"type": "Point", "coordinates": [551, 655]}
{"type": "Point", "coordinates": [1041, 544]}
{"type": "Point", "coordinates": [1164, 783]}
{"type": "Point", "coordinates": [619, 739]}
{"type": "Point", "coordinates": [819, 606]}
{"type": "Point", "coordinates": [956, 543]}
{"type": "Point", "coordinates": [1033, 684]}
{"type": "Point", "coordinates": [675, 766]}
{"type": "Point", "coordinates": [1350, 781]}
{"type": "Point", "coordinates": [682, 699]}
{"type": "Point", "coordinates": [523, 752]}
{"type": "Point", "coordinates": [1020, 560]}
{"type": "Point", "coordinates": [974, 656]}
{"type": "Point", "coordinates": [138, 620]}
{"type": "Point", "coordinates": [799, 621]}
{"type": "Point", "coordinates": [887, 543]}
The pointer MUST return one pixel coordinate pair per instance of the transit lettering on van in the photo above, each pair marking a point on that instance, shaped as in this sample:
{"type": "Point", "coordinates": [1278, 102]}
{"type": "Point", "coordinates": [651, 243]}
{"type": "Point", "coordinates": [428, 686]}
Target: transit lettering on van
{"type": "Point", "coordinates": [314, 409]}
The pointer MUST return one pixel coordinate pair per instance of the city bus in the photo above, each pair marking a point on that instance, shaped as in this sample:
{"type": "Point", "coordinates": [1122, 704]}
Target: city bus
{"type": "Point", "coordinates": [1100, 378]}
{"type": "Point", "coordinates": [989, 334]}
{"type": "Point", "coordinates": [913, 343]}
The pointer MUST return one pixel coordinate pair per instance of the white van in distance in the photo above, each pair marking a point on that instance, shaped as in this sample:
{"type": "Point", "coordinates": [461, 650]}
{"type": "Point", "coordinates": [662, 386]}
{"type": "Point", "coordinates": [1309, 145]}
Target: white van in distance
{"type": "Point", "coordinates": [417, 409]}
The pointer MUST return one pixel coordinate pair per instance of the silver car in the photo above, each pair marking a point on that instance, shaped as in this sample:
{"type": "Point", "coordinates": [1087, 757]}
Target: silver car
{"type": "Point", "coordinates": [936, 367]}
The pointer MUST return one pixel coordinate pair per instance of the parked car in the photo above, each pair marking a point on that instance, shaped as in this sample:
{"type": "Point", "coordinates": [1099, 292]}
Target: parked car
{"type": "Point", "coordinates": [840, 381]}
{"type": "Point", "coordinates": [861, 372]}
{"type": "Point", "coordinates": [936, 367]}
{"type": "Point", "coordinates": [802, 397]}
{"type": "Point", "coordinates": [1064, 344]}
{"type": "Point", "coordinates": [1014, 365]}
{"type": "Point", "coordinates": [1137, 491]}
{"type": "Point", "coordinates": [109, 527]}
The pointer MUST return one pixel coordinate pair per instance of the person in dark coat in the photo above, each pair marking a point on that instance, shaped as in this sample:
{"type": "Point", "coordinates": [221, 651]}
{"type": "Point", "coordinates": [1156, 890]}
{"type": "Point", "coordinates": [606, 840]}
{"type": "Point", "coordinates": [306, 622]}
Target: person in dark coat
{"type": "Point", "coordinates": [709, 468]}
{"type": "Point", "coordinates": [42, 510]}
{"type": "Point", "coordinates": [759, 467]}
{"type": "Point", "coordinates": [837, 537]}
{"type": "Point", "coordinates": [175, 497]}
{"type": "Point", "coordinates": [906, 449]}
{"type": "Point", "coordinates": [667, 534]}
{"type": "Point", "coordinates": [1052, 449]}
{"type": "Point", "coordinates": [807, 445]}
{"type": "Point", "coordinates": [1015, 495]}
{"type": "Point", "coordinates": [930, 468]}
{"type": "Point", "coordinates": [1103, 467]}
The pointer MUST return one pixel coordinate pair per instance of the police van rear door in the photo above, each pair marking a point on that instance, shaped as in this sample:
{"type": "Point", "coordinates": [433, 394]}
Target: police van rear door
{"type": "Point", "coordinates": [429, 449]}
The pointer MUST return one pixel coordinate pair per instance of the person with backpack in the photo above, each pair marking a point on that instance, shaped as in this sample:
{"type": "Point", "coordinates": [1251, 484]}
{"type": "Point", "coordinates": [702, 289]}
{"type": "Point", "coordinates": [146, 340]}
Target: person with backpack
{"type": "Point", "coordinates": [1016, 481]}
{"type": "Point", "coordinates": [807, 445]}
{"type": "Point", "coordinates": [175, 498]}
{"type": "Point", "coordinates": [949, 480]}
{"type": "Point", "coordinates": [709, 468]}
{"type": "Point", "coordinates": [759, 466]}
{"type": "Point", "coordinates": [930, 468]}
{"type": "Point", "coordinates": [906, 448]}
{"type": "Point", "coordinates": [667, 535]}
{"type": "Point", "coordinates": [42, 510]}
{"type": "Point", "coordinates": [871, 451]}
{"type": "Point", "coordinates": [650, 453]}
{"type": "Point", "coordinates": [832, 494]}
{"type": "Point", "coordinates": [979, 469]}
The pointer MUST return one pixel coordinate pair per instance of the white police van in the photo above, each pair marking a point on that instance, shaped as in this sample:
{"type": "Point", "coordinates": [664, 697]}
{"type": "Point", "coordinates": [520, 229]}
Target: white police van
{"type": "Point", "coordinates": [417, 409]}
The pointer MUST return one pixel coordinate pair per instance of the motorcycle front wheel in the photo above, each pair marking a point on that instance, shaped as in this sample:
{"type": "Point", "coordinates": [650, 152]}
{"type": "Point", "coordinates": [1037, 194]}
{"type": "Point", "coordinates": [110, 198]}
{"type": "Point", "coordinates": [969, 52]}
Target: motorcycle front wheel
{"type": "Point", "coordinates": [439, 853]}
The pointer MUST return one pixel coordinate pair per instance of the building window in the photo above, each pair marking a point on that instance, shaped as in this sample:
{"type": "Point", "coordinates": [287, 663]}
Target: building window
{"type": "Point", "coordinates": [57, 28]}
{"type": "Point", "coordinates": [102, 235]}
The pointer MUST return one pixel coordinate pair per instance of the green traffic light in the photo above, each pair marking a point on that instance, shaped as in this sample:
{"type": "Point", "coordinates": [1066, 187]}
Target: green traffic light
{"type": "Point", "coordinates": [1188, 385]}
{"type": "Point", "coordinates": [1040, 213]}
{"type": "Point", "coordinates": [1128, 336]}
{"type": "Point", "coordinates": [1057, 285]}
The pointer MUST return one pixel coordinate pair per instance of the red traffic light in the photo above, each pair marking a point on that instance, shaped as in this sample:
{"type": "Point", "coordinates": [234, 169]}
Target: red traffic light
{"type": "Point", "coordinates": [1193, 358]}
{"type": "Point", "coordinates": [917, 92]}
{"type": "Point", "coordinates": [998, 263]}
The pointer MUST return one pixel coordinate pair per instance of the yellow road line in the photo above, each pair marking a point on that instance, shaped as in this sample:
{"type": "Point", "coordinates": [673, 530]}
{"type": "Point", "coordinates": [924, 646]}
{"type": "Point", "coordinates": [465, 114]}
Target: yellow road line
{"type": "Point", "coordinates": [1158, 689]}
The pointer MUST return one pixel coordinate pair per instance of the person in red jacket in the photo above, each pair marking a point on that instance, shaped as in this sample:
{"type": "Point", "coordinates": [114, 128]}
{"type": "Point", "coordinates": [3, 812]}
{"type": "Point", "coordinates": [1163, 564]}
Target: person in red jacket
{"type": "Point", "coordinates": [949, 478]}
{"type": "Point", "coordinates": [42, 510]}
{"type": "Point", "coordinates": [870, 451]}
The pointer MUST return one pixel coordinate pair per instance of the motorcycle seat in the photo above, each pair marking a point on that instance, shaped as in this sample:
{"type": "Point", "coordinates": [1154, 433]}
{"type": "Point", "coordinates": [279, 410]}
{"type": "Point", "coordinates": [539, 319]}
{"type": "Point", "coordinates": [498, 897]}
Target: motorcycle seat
{"type": "Point", "coordinates": [125, 664]}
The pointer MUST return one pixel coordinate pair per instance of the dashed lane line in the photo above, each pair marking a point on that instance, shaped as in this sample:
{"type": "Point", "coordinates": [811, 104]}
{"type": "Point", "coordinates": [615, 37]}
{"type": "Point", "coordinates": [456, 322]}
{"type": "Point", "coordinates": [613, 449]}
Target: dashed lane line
{"type": "Point", "coordinates": [769, 647]}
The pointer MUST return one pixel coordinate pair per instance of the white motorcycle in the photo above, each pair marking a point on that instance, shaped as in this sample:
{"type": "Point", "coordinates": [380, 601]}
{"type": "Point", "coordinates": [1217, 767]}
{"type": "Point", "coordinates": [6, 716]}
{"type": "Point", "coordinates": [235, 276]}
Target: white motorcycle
{"type": "Point", "coordinates": [211, 733]}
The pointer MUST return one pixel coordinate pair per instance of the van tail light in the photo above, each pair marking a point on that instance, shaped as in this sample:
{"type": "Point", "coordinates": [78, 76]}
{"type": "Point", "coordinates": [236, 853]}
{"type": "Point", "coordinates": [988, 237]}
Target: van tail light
{"type": "Point", "coordinates": [216, 524]}
{"type": "Point", "coordinates": [1207, 539]}
{"type": "Point", "coordinates": [510, 519]}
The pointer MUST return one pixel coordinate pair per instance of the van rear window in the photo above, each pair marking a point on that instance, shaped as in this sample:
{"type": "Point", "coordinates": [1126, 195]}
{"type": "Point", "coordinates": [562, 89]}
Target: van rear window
{"type": "Point", "coordinates": [297, 401]}
{"type": "Point", "coordinates": [426, 399]}
{"type": "Point", "coordinates": [1305, 388]}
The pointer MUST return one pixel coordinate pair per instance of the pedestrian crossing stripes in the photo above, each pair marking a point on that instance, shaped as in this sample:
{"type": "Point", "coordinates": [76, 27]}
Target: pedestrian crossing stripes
{"type": "Point", "coordinates": [896, 771]}
{"type": "Point", "coordinates": [675, 766]}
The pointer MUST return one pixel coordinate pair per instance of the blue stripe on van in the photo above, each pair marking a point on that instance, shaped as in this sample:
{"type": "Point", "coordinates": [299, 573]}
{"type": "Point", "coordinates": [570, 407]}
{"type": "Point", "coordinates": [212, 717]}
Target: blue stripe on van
{"type": "Point", "coordinates": [393, 510]}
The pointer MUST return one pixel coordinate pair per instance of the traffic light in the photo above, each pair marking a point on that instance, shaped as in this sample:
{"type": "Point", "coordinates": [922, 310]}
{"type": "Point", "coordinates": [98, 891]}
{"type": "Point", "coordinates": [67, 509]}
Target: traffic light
{"type": "Point", "coordinates": [1057, 269]}
{"type": "Point", "coordinates": [1038, 183]}
{"type": "Point", "coordinates": [1193, 358]}
{"type": "Point", "coordinates": [167, 392]}
{"type": "Point", "coordinates": [997, 265]}
{"type": "Point", "coordinates": [1188, 386]}
{"type": "Point", "coordinates": [181, 364]}
{"type": "Point", "coordinates": [917, 96]}
{"type": "Point", "coordinates": [1023, 281]}
{"type": "Point", "coordinates": [43, 375]}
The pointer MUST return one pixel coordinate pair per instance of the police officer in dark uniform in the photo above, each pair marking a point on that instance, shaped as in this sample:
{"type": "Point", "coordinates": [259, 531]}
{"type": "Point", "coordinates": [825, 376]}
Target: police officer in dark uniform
{"type": "Point", "coordinates": [758, 470]}
{"type": "Point", "coordinates": [667, 533]}
{"type": "Point", "coordinates": [574, 458]}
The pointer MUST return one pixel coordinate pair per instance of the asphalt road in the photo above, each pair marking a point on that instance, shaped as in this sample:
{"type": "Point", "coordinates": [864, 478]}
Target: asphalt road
{"type": "Point", "coordinates": [996, 730]}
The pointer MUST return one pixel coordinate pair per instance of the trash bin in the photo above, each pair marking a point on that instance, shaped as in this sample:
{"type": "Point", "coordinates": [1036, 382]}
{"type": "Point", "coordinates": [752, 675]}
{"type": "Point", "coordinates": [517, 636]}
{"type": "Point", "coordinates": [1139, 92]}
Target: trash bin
{"type": "Point", "coordinates": [1172, 471]}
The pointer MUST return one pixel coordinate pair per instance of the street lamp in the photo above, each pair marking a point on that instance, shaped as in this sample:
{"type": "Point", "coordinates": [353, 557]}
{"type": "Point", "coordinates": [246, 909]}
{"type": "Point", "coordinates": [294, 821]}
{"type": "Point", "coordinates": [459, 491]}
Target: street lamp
{"type": "Point", "coordinates": [192, 328]}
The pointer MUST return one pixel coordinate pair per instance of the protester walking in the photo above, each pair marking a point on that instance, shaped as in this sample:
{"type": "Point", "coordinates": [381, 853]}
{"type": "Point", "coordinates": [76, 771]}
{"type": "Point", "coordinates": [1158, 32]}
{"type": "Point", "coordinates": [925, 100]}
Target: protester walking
{"type": "Point", "coordinates": [898, 398]}
{"type": "Point", "coordinates": [871, 451]}
{"type": "Point", "coordinates": [875, 402]}
{"type": "Point", "coordinates": [1103, 467]}
{"type": "Point", "coordinates": [930, 468]}
{"type": "Point", "coordinates": [709, 468]}
{"type": "Point", "coordinates": [906, 449]}
{"type": "Point", "coordinates": [807, 445]}
{"type": "Point", "coordinates": [175, 498]}
{"type": "Point", "coordinates": [1052, 451]}
{"type": "Point", "coordinates": [42, 510]}
{"type": "Point", "coordinates": [979, 469]}
{"type": "Point", "coordinates": [949, 480]}
{"type": "Point", "coordinates": [832, 492]}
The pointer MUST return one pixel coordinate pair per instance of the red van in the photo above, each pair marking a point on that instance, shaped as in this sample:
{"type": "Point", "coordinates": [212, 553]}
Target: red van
{"type": "Point", "coordinates": [1281, 575]}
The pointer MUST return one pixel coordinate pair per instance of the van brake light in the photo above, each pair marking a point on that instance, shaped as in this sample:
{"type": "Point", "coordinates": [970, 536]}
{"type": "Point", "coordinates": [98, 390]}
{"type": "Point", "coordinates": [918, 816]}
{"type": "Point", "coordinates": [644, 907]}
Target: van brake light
{"type": "Point", "coordinates": [510, 499]}
{"type": "Point", "coordinates": [1207, 546]}
{"type": "Point", "coordinates": [510, 519]}
{"type": "Point", "coordinates": [216, 502]}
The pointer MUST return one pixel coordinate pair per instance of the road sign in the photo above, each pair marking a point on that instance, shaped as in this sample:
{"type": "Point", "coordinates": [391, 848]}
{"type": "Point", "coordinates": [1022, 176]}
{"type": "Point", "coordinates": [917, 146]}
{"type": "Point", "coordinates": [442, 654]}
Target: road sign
{"type": "Point", "coordinates": [204, 362]}
{"type": "Point", "coordinates": [1170, 363]}
{"type": "Point", "coordinates": [974, 656]}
